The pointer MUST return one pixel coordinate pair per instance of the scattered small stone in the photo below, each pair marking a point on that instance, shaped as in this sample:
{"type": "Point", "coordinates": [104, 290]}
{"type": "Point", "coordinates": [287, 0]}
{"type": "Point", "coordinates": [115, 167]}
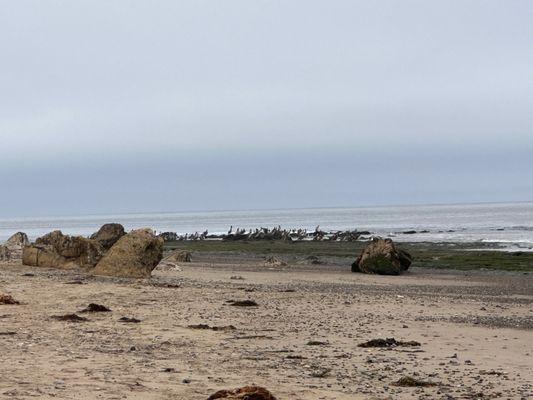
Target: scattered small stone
{"type": "Point", "coordinates": [172, 285]}
{"type": "Point", "coordinates": [317, 343]}
{"type": "Point", "coordinates": [70, 318]}
{"type": "Point", "coordinates": [320, 372]}
{"type": "Point", "coordinates": [389, 342]}
{"type": "Point", "coordinates": [491, 372]}
{"type": "Point", "coordinates": [169, 370]}
{"type": "Point", "coordinates": [295, 357]}
{"type": "Point", "coordinates": [129, 320]}
{"type": "Point", "coordinates": [236, 278]}
{"type": "Point", "coordinates": [28, 274]}
{"type": "Point", "coordinates": [76, 282]}
{"type": "Point", "coordinates": [213, 328]}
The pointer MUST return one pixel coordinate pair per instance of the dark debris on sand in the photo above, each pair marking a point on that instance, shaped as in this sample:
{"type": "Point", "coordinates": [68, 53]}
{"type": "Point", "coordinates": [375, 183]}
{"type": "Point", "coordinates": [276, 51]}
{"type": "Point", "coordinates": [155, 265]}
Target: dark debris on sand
{"type": "Point", "coordinates": [8, 299]}
{"type": "Point", "coordinates": [93, 307]}
{"type": "Point", "coordinates": [212, 328]}
{"type": "Point", "coordinates": [317, 343]}
{"type": "Point", "coordinates": [408, 381]}
{"type": "Point", "coordinates": [129, 320]}
{"type": "Point", "coordinates": [242, 303]}
{"type": "Point", "coordinates": [389, 342]}
{"type": "Point", "coordinates": [70, 318]}
{"type": "Point", "coordinates": [244, 393]}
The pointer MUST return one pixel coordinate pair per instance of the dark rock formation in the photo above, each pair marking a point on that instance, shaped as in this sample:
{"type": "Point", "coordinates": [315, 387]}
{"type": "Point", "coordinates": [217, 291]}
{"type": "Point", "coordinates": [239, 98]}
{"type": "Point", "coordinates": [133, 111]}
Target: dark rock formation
{"type": "Point", "coordinates": [382, 257]}
{"type": "Point", "coordinates": [108, 235]}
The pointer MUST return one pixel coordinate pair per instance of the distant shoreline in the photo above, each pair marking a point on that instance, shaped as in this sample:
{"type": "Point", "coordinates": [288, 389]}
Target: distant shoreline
{"type": "Point", "coordinates": [509, 223]}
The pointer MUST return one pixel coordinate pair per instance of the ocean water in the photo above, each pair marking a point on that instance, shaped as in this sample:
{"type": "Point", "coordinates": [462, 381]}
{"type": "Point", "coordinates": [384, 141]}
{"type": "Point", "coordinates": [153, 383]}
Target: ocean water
{"type": "Point", "coordinates": [510, 223]}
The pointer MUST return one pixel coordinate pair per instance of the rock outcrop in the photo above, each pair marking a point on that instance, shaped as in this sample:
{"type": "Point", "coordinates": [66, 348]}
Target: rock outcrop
{"type": "Point", "coordinates": [135, 255]}
{"type": "Point", "coordinates": [244, 393]}
{"type": "Point", "coordinates": [11, 250]}
{"type": "Point", "coordinates": [382, 257]}
{"type": "Point", "coordinates": [55, 250]}
{"type": "Point", "coordinates": [108, 235]}
{"type": "Point", "coordinates": [179, 256]}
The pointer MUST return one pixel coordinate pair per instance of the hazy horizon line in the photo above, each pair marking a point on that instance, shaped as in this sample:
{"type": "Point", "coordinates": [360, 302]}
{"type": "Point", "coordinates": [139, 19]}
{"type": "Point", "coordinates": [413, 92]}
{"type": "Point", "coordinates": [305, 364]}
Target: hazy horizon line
{"type": "Point", "coordinates": [429, 204]}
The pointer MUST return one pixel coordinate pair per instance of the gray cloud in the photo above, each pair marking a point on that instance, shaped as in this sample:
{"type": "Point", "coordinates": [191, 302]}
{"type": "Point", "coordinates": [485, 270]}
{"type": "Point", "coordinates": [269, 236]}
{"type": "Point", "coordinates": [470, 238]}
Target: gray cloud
{"type": "Point", "coordinates": [222, 97]}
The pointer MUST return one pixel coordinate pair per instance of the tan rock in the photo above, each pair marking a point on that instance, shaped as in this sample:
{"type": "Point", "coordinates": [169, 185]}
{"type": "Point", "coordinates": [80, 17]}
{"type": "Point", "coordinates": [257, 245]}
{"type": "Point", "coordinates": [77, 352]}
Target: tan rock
{"type": "Point", "coordinates": [135, 255]}
{"type": "Point", "coordinates": [11, 250]}
{"type": "Point", "coordinates": [44, 256]}
{"type": "Point", "coordinates": [174, 259]}
{"type": "Point", "coordinates": [55, 250]}
{"type": "Point", "coordinates": [179, 256]}
{"type": "Point", "coordinates": [382, 257]}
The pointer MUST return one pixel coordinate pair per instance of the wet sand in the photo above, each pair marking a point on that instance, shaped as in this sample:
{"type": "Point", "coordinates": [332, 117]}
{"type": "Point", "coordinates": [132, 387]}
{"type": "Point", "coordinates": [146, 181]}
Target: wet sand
{"type": "Point", "coordinates": [475, 331]}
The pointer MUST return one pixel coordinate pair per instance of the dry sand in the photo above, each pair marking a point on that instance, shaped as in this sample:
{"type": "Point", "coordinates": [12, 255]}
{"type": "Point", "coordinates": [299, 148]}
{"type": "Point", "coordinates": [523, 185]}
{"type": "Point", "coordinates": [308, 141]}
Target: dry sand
{"type": "Point", "coordinates": [475, 330]}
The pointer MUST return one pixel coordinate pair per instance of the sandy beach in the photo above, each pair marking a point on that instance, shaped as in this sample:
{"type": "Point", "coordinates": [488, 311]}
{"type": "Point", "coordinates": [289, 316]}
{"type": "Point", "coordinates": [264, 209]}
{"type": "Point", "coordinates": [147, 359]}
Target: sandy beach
{"type": "Point", "coordinates": [267, 200]}
{"type": "Point", "coordinates": [300, 341]}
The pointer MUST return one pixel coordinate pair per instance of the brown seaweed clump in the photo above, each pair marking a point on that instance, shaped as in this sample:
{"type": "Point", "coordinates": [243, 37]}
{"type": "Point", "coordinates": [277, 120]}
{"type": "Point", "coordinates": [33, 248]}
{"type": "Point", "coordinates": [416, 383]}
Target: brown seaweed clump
{"type": "Point", "coordinates": [244, 393]}
{"type": "Point", "coordinates": [389, 342]}
{"type": "Point", "coordinates": [70, 318]}
{"type": "Point", "coordinates": [7, 299]}
{"type": "Point", "coordinates": [408, 381]}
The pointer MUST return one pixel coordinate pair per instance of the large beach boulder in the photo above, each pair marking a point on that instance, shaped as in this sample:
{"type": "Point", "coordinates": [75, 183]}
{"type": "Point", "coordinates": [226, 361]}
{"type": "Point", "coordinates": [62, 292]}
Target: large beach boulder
{"type": "Point", "coordinates": [55, 250]}
{"type": "Point", "coordinates": [108, 235]}
{"type": "Point", "coordinates": [382, 257]}
{"type": "Point", "coordinates": [12, 249]}
{"type": "Point", "coordinates": [244, 393]}
{"type": "Point", "coordinates": [135, 255]}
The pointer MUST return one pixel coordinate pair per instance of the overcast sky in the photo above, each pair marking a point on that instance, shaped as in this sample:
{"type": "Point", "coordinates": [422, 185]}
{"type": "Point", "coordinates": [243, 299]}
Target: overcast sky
{"type": "Point", "coordinates": [125, 106]}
